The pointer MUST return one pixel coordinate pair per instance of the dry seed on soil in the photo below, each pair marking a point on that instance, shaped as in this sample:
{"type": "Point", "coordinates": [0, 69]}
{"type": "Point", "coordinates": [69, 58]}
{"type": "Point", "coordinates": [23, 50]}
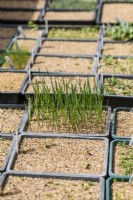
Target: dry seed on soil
{"type": "Point", "coordinates": [15, 15]}
{"type": "Point", "coordinates": [49, 189]}
{"type": "Point", "coordinates": [14, 81]}
{"type": "Point", "coordinates": [4, 147]}
{"type": "Point", "coordinates": [56, 64]}
{"type": "Point", "coordinates": [124, 124]}
{"type": "Point", "coordinates": [74, 16]}
{"type": "Point", "coordinates": [117, 49]}
{"type": "Point", "coordinates": [61, 156]}
{"type": "Point", "coordinates": [69, 47]}
{"type": "Point", "coordinates": [123, 159]}
{"type": "Point", "coordinates": [122, 191]}
{"type": "Point", "coordinates": [124, 12]}
{"type": "Point", "coordinates": [59, 80]}
{"type": "Point", "coordinates": [9, 119]}
{"type": "Point", "coordinates": [91, 126]}
{"type": "Point", "coordinates": [118, 66]}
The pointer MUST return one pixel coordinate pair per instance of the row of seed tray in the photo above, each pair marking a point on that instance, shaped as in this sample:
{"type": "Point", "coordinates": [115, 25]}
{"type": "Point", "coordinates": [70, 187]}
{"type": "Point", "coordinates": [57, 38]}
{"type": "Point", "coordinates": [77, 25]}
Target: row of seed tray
{"type": "Point", "coordinates": [119, 184]}
{"type": "Point", "coordinates": [62, 161]}
{"type": "Point", "coordinates": [93, 12]}
{"type": "Point", "coordinates": [64, 61]}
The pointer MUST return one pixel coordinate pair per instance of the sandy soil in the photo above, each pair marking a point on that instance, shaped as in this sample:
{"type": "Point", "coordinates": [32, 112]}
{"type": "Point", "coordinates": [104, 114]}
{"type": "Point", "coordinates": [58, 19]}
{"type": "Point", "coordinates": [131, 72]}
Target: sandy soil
{"type": "Point", "coordinates": [69, 47]}
{"type": "Point", "coordinates": [61, 156]}
{"type": "Point", "coordinates": [124, 124]}
{"type": "Point", "coordinates": [122, 191]}
{"type": "Point", "coordinates": [14, 81]}
{"type": "Point", "coordinates": [124, 12]}
{"type": "Point", "coordinates": [31, 33]}
{"type": "Point", "coordinates": [90, 126]}
{"type": "Point", "coordinates": [26, 45]}
{"type": "Point", "coordinates": [7, 32]}
{"type": "Point", "coordinates": [4, 43]}
{"type": "Point", "coordinates": [4, 148]}
{"type": "Point", "coordinates": [10, 119]}
{"type": "Point", "coordinates": [117, 49]}
{"type": "Point", "coordinates": [19, 15]}
{"type": "Point", "coordinates": [49, 189]}
{"type": "Point", "coordinates": [57, 64]}
{"type": "Point", "coordinates": [23, 4]}
{"type": "Point", "coordinates": [74, 16]}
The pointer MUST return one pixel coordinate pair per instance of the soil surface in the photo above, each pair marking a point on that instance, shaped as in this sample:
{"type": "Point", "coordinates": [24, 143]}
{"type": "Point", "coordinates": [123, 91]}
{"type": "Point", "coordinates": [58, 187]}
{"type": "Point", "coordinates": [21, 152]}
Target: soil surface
{"type": "Point", "coordinates": [69, 47]}
{"type": "Point", "coordinates": [15, 15]}
{"type": "Point", "coordinates": [74, 16]}
{"type": "Point", "coordinates": [31, 33]}
{"type": "Point", "coordinates": [123, 159]}
{"type": "Point", "coordinates": [25, 45]}
{"type": "Point", "coordinates": [10, 119]}
{"type": "Point", "coordinates": [4, 43]}
{"type": "Point", "coordinates": [124, 124]}
{"type": "Point", "coordinates": [7, 31]}
{"type": "Point", "coordinates": [124, 12]}
{"type": "Point", "coordinates": [91, 126]}
{"type": "Point", "coordinates": [23, 4]}
{"type": "Point", "coordinates": [49, 81]}
{"type": "Point", "coordinates": [49, 189]}
{"type": "Point", "coordinates": [122, 191]}
{"type": "Point", "coordinates": [14, 81]}
{"type": "Point", "coordinates": [117, 66]}
{"type": "Point", "coordinates": [4, 148]}
{"type": "Point", "coordinates": [58, 64]}
{"type": "Point", "coordinates": [61, 156]}
{"type": "Point", "coordinates": [118, 49]}
{"type": "Point", "coordinates": [118, 86]}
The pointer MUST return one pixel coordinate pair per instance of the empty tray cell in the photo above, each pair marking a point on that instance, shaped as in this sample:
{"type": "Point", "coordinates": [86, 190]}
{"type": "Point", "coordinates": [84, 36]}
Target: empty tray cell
{"type": "Point", "coordinates": [7, 31]}
{"type": "Point", "coordinates": [112, 12]}
{"type": "Point", "coordinates": [69, 47]}
{"type": "Point", "coordinates": [19, 15]}
{"type": "Point", "coordinates": [38, 4]}
{"type": "Point", "coordinates": [118, 49]}
{"type": "Point", "coordinates": [70, 16]}
{"type": "Point", "coordinates": [59, 64]}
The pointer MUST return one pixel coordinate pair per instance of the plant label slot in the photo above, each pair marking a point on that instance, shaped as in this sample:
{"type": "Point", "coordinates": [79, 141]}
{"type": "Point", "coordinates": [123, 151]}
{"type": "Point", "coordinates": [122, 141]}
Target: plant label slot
{"type": "Point", "coordinates": [17, 142]}
{"type": "Point", "coordinates": [46, 26]}
{"type": "Point", "coordinates": [20, 29]}
{"type": "Point", "coordinates": [9, 62]}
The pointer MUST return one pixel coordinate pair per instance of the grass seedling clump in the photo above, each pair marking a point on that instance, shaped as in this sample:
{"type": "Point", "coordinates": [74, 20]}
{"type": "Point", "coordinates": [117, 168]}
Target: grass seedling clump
{"type": "Point", "coordinates": [18, 57]}
{"type": "Point", "coordinates": [73, 4]}
{"type": "Point", "coordinates": [122, 32]}
{"type": "Point", "coordinates": [80, 33]}
{"type": "Point", "coordinates": [65, 106]}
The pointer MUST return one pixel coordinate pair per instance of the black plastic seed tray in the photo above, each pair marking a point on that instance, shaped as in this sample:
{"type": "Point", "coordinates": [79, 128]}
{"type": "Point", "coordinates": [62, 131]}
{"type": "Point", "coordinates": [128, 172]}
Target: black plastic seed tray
{"type": "Point", "coordinates": [100, 180]}
{"type": "Point", "coordinates": [105, 134]}
{"type": "Point", "coordinates": [11, 146]}
{"type": "Point", "coordinates": [42, 136]}
{"type": "Point", "coordinates": [12, 97]}
{"type": "Point", "coordinates": [14, 106]}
